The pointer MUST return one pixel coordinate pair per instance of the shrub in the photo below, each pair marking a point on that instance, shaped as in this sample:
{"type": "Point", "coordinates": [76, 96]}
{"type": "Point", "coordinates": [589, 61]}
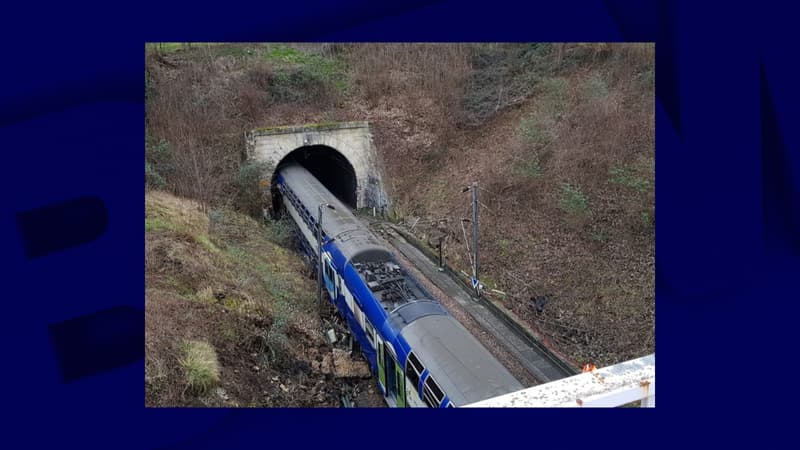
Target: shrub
{"type": "Point", "coordinates": [533, 132]}
{"type": "Point", "coordinates": [251, 185]}
{"type": "Point", "coordinates": [304, 77]}
{"type": "Point", "coordinates": [529, 169]}
{"type": "Point", "coordinates": [276, 336]}
{"type": "Point", "coordinates": [647, 221]}
{"type": "Point", "coordinates": [595, 87]}
{"type": "Point", "coordinates": [152, 179]}
{"type": "Point", "coordinates": [506, 74]}
{"type": "Point", "coordinates": [158, 163]}
{"type": "Point", "coordinates": [573, 200]}
{"type": "Point", "coordinates": [281, 231]}
{"type": "Point", "coordinates": [200, 365]}
{"type": "Point", "coordinates": [216, 218]}
{"type": "Point", "coordinates": [623, 176]}
{"type": "Point", "coordinates": [552, 96]}
{"type": "Point", "coordinates": [206, 243]}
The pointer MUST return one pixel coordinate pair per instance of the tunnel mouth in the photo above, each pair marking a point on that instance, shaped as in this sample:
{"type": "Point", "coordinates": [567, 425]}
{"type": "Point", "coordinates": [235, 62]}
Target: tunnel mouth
{"type": "Point", "coordinates": [328, 166]}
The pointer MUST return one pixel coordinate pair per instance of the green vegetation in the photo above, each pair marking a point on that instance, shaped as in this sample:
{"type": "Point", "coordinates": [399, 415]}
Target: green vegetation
{"type": "Point", "coordinates": [276, 336]}
{"type": "Point", "coordinates": [534, 132]}
{"type": "Point", "coordinates": [538, 129]}
{"type": "Point", "coordinates": [573, 200]}
{"type": "Point", "coordinates": [553, 97]}
{"type": "Point", "coordinates": [236, 50]}
{"type": "Point", "coordinates": [626, 177]}
{"type": "Point", "coordinates": [158, 223]}
{"type": "Point", "coordinates": [252, 186]}
{"type": "Point", "coordinates": [170, 47]}
{"type": "Point", "coordinates": [505, 74]}
{"type": "Point", "coordinates": [200, 365]}
{"type": "Point", "coordinates": [595, 87]}
{"type": "Point", "coordinates": [205, 295]}
{"type": "Point", "coordinates": [304, 77]}
{"type": "Point", "coordinates": [601, 236]}
{"type": "Point", "coordinates": [157, 163]}
{"type": "Point", "coordinates": [165, 47]}
{"type": "Point", "coordinates": [529, 169]}
{"type": "Point", "coordinates": [203, 240]}
{"type": "Point", "coordinates": [228, 282]}
{"type": "Point", "coordinates": [647, 220]}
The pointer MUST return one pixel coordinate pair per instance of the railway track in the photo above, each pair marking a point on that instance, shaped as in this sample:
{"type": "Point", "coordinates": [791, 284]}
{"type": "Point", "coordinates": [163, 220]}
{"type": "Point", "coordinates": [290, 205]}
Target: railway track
{"type": "Point", "coordinates": [540, 363]}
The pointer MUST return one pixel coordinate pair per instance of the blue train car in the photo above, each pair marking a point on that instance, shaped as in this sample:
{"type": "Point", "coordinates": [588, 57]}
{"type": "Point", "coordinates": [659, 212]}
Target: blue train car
{"type": "Point", "coordinates": [420, 354]}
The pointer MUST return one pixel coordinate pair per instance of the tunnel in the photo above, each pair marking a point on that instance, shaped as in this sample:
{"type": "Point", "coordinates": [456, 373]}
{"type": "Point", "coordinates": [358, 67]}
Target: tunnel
{"type": "Point", "coordinates": [329, 166]}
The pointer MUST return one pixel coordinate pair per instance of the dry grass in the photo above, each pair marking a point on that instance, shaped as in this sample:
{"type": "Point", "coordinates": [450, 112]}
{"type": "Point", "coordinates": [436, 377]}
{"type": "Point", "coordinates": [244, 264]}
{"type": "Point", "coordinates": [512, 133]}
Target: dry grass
{"type": "Point", "coordinates": [234, 288]}
{"type": "Point", "coordinates": [171, 211]}
{"type": "Point", "coordinates": [200, 365]}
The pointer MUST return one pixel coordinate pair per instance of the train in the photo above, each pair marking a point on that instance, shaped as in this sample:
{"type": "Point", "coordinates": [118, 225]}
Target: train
{"type": "Point", "coordinates": [420, 355]}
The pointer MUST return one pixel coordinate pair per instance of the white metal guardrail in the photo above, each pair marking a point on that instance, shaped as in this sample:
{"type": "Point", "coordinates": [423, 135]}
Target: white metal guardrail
{"type": "Point", "coordinates": [616, 385]}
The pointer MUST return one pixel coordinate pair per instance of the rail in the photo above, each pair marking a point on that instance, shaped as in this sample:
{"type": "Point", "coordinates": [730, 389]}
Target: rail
{"type": "Point", "coordinates": [561, 364]}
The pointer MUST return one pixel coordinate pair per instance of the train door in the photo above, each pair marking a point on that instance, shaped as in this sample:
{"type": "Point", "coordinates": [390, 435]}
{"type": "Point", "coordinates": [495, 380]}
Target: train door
{"type": "Point", "coordinates": [391, 375]}
{"type": "Point", "coordinates": [381, 365]}
{"type": "Point", "coordinates": [329, 275]}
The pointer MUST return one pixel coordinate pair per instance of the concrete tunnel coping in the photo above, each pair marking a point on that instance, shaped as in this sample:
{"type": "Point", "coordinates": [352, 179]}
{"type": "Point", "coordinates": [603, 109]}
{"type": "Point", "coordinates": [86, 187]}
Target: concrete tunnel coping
{"type": "Point", "coordinates": [351, 140]}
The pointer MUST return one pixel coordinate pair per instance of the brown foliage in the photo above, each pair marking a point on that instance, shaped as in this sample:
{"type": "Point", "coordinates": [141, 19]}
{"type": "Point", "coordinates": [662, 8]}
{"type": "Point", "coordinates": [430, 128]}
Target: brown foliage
{"type": "Point", "coordinates": [424, 73]}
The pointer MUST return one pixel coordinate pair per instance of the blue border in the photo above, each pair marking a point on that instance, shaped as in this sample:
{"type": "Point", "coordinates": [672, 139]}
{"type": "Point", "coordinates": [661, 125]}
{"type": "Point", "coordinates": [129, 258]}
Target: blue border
{"type": "Point", "coordinates": [727, 239]}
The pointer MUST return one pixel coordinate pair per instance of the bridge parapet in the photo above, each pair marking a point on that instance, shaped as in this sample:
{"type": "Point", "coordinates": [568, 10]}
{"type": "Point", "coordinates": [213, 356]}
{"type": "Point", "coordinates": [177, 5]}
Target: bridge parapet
{"type": "Point", "coordinates": [616, 385]}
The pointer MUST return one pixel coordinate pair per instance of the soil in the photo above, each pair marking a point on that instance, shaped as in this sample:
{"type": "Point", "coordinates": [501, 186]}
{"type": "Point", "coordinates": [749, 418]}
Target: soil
{"type": "Point", "coordinates": [198, 292]}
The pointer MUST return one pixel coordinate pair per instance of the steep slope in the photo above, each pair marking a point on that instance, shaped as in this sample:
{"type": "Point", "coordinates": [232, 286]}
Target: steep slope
{"type": "Point", "coordinates": [231, 318]}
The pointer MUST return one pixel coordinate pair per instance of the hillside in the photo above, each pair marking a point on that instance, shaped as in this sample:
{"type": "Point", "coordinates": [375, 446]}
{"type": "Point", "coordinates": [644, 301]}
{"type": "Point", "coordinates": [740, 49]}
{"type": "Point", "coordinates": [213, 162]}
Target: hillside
{"type": "Point", "coordinates": [231, 315]}
{"type": "Point", "coordinates": [560, 138]}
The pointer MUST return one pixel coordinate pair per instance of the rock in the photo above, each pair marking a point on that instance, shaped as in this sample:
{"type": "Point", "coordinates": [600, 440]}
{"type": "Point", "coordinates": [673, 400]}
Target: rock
{"type": "Point", "coordinates": [221, 393]}
{"type": "Point", "coordinates": [256, 368]}
{"type": "Point", "coordinates": [284, 388]}
{"type": "Point", "coordinates": [344, 366]}
{"type": "Point", "coordinates": [275, 378]}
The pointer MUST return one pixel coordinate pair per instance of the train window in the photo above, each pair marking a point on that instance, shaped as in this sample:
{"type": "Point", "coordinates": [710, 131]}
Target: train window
{"type": "Point", "coordinates": [412, 359]}
{"type": "Point", "coordinates": [348, 297]}
{"type": "Point", "coordinates": [413, 377]}
{"type": "Point", "coordinates": [329, 271]}
{"type": "Point", "coordinates": [357, 313]}
{"type": "Point", "coordinates": [433, 393]}
{"type": "Point", "coordinates": [428, 399]}
{"type": "Point", "coordinates": [370, 331]}
{"type": "Point", "coordinates": [413, 370]}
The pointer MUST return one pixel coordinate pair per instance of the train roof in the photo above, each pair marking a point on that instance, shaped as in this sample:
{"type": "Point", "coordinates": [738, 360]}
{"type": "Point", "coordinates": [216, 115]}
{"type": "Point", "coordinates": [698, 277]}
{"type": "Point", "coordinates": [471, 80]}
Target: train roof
{"type": "Point", "coordinates": [353, 239]}
{"type": "Point", "coordinates": [459, 363]}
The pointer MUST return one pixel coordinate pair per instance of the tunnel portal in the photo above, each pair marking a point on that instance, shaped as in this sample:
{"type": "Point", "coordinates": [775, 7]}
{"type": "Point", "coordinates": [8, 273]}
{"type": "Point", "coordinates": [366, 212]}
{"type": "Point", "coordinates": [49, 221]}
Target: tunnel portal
{"type": "Point", "coordinates": [330, 167]}
{"type": "Point", "coordinates": [340, 154]}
